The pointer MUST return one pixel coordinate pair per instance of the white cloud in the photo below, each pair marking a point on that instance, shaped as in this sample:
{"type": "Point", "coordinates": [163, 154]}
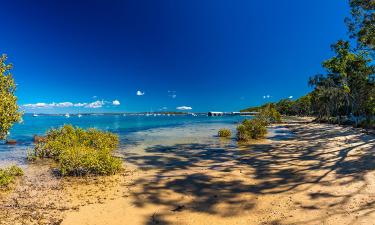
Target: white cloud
{"type": "Point", "coordinates": [95, 105]}
{"type": "Point", "coordinates": [172, 94]}
{"type": "Point", "coordinates": [140, 93]}
{"type": "Point", "coordinates": [37, 105]}
{"type": "Point", "coordinates": [267, 96]}
{"type": "Point", "coordinates": [184, 108]}
{"type": "Point", "coordinates": [290, 97]}
{"type": "Point", "coordinates": [63, 104]}
{"type": "Point", "coordinates": [116, 102]}
{"type": "Point", "coordinates": [80, 104]}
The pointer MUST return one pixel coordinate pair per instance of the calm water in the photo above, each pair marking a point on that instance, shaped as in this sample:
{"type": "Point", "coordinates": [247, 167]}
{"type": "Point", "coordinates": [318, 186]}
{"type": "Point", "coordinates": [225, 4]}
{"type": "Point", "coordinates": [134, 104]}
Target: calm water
{"type": "Point", "coordinates": [131, 129]}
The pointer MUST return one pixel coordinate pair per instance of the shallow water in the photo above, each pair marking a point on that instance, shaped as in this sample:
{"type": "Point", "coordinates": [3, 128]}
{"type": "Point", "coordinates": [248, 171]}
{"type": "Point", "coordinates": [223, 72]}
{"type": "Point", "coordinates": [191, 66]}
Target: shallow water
{"type": "Point", "coordinates": [134, 131]}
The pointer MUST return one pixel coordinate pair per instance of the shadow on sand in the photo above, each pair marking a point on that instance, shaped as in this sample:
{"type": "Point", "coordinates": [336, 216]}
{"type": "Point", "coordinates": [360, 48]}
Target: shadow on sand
{"type": "Point", "coordinates": [309, 157]}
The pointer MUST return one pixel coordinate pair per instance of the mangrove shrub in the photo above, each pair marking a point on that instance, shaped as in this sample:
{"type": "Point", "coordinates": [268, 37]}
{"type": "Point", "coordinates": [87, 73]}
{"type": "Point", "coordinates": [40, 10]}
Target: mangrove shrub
{"type": "Point", "coordinates": [224, 132]}
{"type": "Point", "coordinates": [251, 129]}
{"type": "Point", "coordinates": [79, 151]}
{"type": "Point", "coordinates": [8, 175]}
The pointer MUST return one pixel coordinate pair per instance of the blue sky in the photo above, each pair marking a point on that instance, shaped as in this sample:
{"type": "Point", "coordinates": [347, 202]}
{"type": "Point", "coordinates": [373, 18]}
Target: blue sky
{"type": "Point", "coordinates": [83, 56]}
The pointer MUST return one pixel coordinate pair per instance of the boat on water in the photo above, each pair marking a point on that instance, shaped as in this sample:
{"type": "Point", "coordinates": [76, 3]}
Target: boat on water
{"type": "Point", "coordinates": [35, 115]}
{"type": "Point", "coordinates": [67, 115]}
{"type": "Point", "coordinates": [79, 115]}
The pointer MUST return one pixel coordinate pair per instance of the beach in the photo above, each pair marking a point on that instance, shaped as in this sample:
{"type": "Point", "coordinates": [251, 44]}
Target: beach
{"type": "Point", "coordinates": [303, 173]}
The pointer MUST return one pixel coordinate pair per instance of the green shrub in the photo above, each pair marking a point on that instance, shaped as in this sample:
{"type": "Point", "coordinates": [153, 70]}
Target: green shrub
{"type": "Point", "coordinates": [8, 175]}
{"type": "Point", "coordinates": [87, 160]}
{"type": "Point", "coordinates": [79, 151]}
{"type": "Point", "coordinates": [251, 129]}
{"type": "Point", "coordinates": [269, 114]}
{"type": "Point", "coordinates": [224, 132]}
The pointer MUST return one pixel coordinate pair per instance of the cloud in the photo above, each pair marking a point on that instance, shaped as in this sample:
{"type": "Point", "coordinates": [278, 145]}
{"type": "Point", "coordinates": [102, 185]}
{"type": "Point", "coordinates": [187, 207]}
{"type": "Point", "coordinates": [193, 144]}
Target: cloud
{"type": "Point", "coordinates": [95, 105]}
{"type": "Point", "coordinates": [116, 102]}
{"type": "Point", "coordinates": [184, 108]}
{"type": "Point", "coordinates": [41, 105]}
{"type": "Point", "coordinates": [140, 93]}
{"type": "Point", "coordinates": [267, 96]}
{"type": "Point", "coordinates": [172, 94]}
{"type": "Point", "coordinates": [290, 97]}
{"type": "Point", "coordinates": [80, 104]}
{"type": "Point", "coordinates": [37, 105]}
{"type": "Point", "coordinates": [63, 104]}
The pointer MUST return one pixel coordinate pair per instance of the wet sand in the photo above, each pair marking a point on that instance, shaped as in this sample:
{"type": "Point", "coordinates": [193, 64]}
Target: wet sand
{"type": "Point", "coordinates": [304, 173]}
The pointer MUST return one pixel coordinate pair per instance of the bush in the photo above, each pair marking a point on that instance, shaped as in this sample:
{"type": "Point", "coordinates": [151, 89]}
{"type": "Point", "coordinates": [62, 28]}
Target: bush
{"type": "Point", "coordinates": [8, 175]}
{"type": "Point", "coordinates": [86, 160]}
{"type": "Point", "coordinates": [224, 132]}
{"type": "Point", "coordinates": [79, 151]}
{"type": "Point", "coordinates": [251, 129]}
{"type": "Point", "coordinates": [269, 114]}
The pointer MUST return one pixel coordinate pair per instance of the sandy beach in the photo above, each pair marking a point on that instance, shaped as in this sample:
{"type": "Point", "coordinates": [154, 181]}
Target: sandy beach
{"type": "Point", "coordinates": [303, 173]}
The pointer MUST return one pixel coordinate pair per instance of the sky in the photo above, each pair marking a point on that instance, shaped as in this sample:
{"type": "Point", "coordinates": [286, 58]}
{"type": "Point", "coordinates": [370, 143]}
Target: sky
{"type": "Point", "coordinates": [187, 55]}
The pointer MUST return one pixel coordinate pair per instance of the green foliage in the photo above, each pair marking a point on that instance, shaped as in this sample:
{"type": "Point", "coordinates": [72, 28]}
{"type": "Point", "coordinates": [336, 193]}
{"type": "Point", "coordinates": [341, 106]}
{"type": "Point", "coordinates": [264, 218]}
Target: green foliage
{"type": "Point", "coordinates": [301, 106]}
{"type": "Point", "coordinates": [268, 114]}
{"type": "Point", "coordinates": [347, 89]}
{"type": "Point", "coordinates": [286, 107]}
{"type": "Point", "coordinates": [224, 132]}
{"type": "Point", "coordinates": [9, 113]}
{"type": "Point", "coordinates": [362, 23]}
{"type": "Point", "coordinates": [87, 160]}
{"type": "Point", "coordinates": [251, 129]}
{"type": "Point", "coordinates": [8, 175]}
{"type": "Point", "coordinates": [80, 151]}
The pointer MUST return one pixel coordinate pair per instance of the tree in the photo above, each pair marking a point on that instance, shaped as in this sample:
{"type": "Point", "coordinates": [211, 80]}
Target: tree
{"type": "Point", "coordinates": [9, 110]}
{"type": "Point", "coordinates": [302, 106]}
{"type": "Point", "coordinates": [285, 107]}
{"type": "Point", "coordinates": [361, 24]}
{"type": "Point", "coordinates": [347, 87]}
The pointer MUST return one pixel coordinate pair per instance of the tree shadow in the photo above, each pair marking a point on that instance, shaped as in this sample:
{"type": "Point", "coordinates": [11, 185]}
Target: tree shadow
{"type": "Point", "coordinates": [209, 177]}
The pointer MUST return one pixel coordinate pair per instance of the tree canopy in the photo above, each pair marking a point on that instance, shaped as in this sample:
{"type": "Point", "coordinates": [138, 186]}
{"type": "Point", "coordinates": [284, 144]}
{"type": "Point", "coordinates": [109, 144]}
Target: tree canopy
{"type": "Point", "coordinates": [9, 110]}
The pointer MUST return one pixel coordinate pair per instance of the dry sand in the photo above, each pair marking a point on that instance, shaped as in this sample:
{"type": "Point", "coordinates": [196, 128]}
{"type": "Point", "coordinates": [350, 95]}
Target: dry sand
{"type": "Point", "coordinates": [321, 174]}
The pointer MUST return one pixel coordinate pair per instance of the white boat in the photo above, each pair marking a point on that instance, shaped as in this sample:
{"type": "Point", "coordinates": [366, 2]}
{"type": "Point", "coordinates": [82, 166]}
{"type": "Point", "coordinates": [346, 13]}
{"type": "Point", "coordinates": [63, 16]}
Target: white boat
{"type": "Point", "coordinates": [79, 115]}
{"type": "Point", "coordinates": [35, 115]}
{"type": "Point", "coordinates": [67, 115]}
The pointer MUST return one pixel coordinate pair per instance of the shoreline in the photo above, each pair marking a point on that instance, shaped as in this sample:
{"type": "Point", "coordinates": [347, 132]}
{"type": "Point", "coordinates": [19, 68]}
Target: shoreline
{"type": "Point", "coordinates": [321, 174]}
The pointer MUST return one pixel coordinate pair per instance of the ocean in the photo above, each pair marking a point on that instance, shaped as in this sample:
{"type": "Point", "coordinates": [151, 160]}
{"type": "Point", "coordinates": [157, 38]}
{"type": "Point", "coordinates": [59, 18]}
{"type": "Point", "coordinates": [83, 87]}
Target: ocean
{"type": "Point", "coordinates": [132, 130]}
